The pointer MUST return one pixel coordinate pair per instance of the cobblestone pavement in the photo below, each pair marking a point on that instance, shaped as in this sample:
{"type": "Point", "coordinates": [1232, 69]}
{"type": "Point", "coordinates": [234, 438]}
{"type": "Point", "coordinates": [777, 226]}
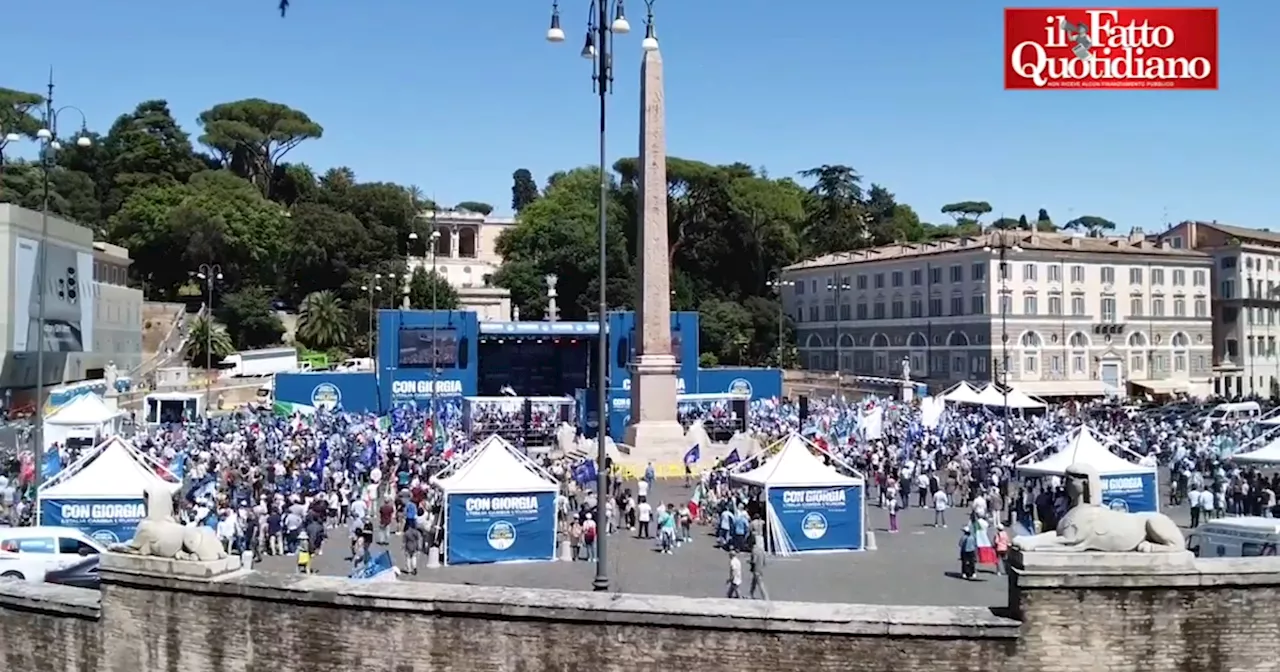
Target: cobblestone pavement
{"type": "Point", "coordinates": [917, 566]}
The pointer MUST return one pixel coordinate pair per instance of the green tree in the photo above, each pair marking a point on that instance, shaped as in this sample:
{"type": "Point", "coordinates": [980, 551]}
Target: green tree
{"type": "Point", "coordinates": [323, 321]}
{"type": "Point", "coordinates": [1092, 224]}
{"type": "Point", "coordinates": [250, 320]}
{"type": "Point", "coordinates": [723, 329]}
{"type": "Point", "coordinates": [474, 206]}
{"type": "Point", "coordinates": [967, 215]}
{"type": "Point", "coordinates": [251, 136]}
{"type": "Point", "coordinates": [559, 233]}
{"type": "Point", "coordinates": [1005, 223]}
{"type": "Point", "coordinates": [836, 219]}
{"type": "Point", "coordinates": [429, 290]}
{"type": "Point", "coordinates": [144, 148]}
{"type": "Point", "coordinates": [323, 250]}
{"type": "Point", "coordinates": [207, 342]}
{"type": "Point", "coordinates": [523, 189]}
{"type": "Point", "coordinates": [1023, 224]}
{"type": "Point", "coordinates": [18, 112]}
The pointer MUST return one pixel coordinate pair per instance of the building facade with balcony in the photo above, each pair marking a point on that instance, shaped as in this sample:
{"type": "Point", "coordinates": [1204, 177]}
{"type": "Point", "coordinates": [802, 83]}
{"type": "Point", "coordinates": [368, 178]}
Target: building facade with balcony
{"type": "Point", "coordinates": [1245, 288]}
{"type": "Point", "coordinates": [465, 254]}
{"type": "Point", "coordinates": [1064, 315]}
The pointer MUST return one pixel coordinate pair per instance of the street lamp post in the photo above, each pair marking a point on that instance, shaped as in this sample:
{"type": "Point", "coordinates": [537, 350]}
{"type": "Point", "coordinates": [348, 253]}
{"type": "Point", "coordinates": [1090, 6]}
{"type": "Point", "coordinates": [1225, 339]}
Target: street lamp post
{"type": "Point", "coordinates": [598, 48]}
{"type": "Point", "coordinates": [47, 136]}
{"type": "Point", "coordinates": [778, 284]}
{"type": "Point", "coordinates": [839, 286]}
{"type": "Point", "coordinates": [372, 289]}
{"type": "Point", "coordinates": [210, 273]}
{"type": "Point", "coordinates": [1002, 247]}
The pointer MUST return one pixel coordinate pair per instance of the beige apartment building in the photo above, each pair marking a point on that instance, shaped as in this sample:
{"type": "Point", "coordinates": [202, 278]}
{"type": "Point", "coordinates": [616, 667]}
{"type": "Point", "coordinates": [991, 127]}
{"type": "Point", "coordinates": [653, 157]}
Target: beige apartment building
{"type": "Point", "coordinates": [465, 253]}
{"type": "Point", "coordinates": [1064, 315]}
{"type": "Point", "coordinates": [92, 317]}
{"type": "Point", "coordinates": [1245, 288]}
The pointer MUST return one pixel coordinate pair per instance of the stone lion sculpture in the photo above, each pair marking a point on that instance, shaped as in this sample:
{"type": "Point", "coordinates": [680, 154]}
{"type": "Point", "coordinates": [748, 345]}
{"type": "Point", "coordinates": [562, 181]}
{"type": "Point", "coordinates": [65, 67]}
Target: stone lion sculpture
{"type": "Point", "coordinates": [1090, 526]}
{"type": "Point", "coordinates": [160, 535]}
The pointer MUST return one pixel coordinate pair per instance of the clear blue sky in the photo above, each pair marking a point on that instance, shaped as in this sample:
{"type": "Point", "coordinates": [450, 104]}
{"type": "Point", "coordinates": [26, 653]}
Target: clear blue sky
{"type": "Point", "coordinates": [454, 95]}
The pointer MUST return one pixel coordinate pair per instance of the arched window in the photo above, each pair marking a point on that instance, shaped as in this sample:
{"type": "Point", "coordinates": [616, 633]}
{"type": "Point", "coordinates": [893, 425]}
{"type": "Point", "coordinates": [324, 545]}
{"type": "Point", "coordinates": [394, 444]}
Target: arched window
{"type": "Point", "coordinates": [444, 243]}
{"type": "Point", "coordinates": [1031, 344]}
{"type": "Point", "coordinates": [1079, 340]}
{"type": "Point", "coordinates": [1079, 359]}
{"type": "Point", "coordinates": [1137, 354]}
{"type": "Point", "coordinates": [846, 341]}
{"type": "Point", "coordinates": [813, 341]}
{"type": "Point", "coordinates": [879, 341]}
{"type": "Point", "coordinates": [957, 339]}
{"type": "Point", "coordinates": [917, 340]}
{"type": "Point", "coordinates": [1137, 340]}
{"type": "Point", "coordinates": [467, 242]}
{"type": "Point", "coordinates": [1180, 342]}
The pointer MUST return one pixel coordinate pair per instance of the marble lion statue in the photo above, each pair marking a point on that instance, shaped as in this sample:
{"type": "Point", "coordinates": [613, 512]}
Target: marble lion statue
{"type": "Point", "coordinates": [160, 535]}
{"type": "Point", "coordinates": [1090, 526]}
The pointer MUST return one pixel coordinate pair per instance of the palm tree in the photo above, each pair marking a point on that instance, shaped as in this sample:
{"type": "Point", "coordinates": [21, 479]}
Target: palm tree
{"type": "Point", "coordinates": [207, 341]}
{"type": "Point", "coordinates": [322, 321]}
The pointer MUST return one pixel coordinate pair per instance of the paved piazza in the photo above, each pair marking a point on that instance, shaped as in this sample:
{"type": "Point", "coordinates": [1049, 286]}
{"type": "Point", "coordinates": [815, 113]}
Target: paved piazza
{"type": "Point", "coordinates": [916, 566]}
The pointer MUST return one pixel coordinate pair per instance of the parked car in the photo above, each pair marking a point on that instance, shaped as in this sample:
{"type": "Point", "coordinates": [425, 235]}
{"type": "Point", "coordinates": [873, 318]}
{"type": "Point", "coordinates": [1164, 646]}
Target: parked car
{"type": "Point", "coordinates": [82, 574]}
{"type": "Point", "coordinates": [29, 553]}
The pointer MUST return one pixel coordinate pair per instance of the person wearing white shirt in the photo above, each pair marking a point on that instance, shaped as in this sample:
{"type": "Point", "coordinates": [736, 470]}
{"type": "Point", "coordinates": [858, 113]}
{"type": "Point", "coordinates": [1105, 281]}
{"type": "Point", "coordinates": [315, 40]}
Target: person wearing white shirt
{"type": "Point", "coordinates": [644, 513]}
{"type": "Point", "coordinates": [940, 505]}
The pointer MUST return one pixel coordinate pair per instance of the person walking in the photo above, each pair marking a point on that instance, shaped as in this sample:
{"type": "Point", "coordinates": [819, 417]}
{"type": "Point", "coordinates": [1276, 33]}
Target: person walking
{"type": "Point", "coordinates": [757, 569]}
{"type": "Point", "coordinates": [412, 545]}
{"type": "Point", "coordinates": [940, 505]}
{"type": "Point", "coordinates": [735, 576]}
{"type": "Point", "coordinates": [968, 554]}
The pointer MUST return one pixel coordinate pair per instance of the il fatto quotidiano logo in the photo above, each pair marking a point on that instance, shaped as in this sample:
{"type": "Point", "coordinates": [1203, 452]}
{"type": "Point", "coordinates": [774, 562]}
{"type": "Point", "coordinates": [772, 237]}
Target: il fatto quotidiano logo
{"type": "Point", "coordinates": [1144, 48]}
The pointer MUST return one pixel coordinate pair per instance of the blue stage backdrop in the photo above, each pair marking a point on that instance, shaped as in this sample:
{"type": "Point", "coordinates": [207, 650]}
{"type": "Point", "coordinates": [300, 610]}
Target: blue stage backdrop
{"type": "Point", "coordinates": [1136, 493]}
{"type": "Point", "coordinates": [354, 392]}
{"type": "Point", "coordinates": [108, 521]}
{"type": "Point", "coordinates": [819, 519]}
{"type": "Point", "coordinates": [414, 344]}
{"type": "Point", "coordinates": [759, 383]}
{"type": "Point", "coordinates": [500, 527]}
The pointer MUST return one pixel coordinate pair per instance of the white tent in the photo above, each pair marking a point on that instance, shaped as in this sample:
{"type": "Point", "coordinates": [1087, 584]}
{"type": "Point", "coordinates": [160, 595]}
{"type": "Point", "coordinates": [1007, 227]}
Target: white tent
{"type": "Point", "coordinates": [1268, 454]}
{"type": "Point", "coordinates": [1019, 399]}
{"type": "Point", "coordinates": [795, 465]}
{"type": "Point", "coordinates": [495, 466]}
{"type": "Point", "coordinates": [112, 470]}
{"type": "Point", "coordinates": [962, 393]}
{"type": "Point", "coordinates": [990, 396]}
{"type": "Point", "coordinates": [86, 409]}
{"type": "Point", "coordinates": [1082, 447]}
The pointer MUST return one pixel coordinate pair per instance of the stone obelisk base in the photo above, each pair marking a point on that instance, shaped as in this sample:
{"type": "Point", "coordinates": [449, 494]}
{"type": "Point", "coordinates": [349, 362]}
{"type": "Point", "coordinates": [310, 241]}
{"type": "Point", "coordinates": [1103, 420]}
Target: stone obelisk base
{"type": "Point", "coordinates": [654, 434]}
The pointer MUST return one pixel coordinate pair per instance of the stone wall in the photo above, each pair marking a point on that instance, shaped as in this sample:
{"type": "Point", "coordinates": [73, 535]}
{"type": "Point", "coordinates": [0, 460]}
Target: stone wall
{"type": "Point", "coordinates": [1093, 612]}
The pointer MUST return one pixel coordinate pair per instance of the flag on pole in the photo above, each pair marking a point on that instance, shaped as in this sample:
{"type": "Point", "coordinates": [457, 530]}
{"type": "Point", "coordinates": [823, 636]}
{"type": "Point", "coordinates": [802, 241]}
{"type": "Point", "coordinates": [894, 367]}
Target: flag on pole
{"type": "Point", "coordinates": [694, 454]}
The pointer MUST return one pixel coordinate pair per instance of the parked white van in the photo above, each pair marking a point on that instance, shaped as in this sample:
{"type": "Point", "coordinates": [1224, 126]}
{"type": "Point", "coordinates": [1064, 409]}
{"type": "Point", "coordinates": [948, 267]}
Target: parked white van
{"type": "Point", "coordinates": [1239, 410]}
{"type": "Point", "coordinates": [26, 553]}
{"type": "Point", "coordinates": [1238, 537]}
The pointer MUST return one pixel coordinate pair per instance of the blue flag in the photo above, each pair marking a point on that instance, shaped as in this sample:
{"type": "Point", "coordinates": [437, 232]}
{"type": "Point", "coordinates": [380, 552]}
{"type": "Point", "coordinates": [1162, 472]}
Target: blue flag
{"type": "Point", "coordinates": [732, 458]}
{"type": "Point", "coordinates": [52, 463]}
{"type": "Point", "coordinates": [694, 454]}
{"type": "Point", "coordinates": [585, 472]}
{"type": "Point", "coordinates": [377, 565]}
{"type": "Point", "coordinates": [317, 467]}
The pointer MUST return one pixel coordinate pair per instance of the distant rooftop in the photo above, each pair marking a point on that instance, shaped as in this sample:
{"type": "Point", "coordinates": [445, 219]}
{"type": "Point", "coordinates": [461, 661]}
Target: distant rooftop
{"type": "Point", "coordinates": [1241, 232]}
{"type": "Point", "coordinates": [464, 216]}
{"type": "Point", "coordinates": [1136, 243]}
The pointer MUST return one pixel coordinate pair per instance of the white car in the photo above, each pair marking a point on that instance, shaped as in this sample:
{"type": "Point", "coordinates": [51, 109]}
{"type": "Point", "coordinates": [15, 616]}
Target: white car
{"type": "Point", "coordinates": [26, 553]}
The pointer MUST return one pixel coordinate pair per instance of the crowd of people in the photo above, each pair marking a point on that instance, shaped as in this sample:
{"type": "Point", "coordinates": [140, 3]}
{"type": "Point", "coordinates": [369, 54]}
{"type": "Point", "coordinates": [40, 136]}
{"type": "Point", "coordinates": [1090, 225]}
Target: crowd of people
{"type": "Point", "coordinates": [303, 485]}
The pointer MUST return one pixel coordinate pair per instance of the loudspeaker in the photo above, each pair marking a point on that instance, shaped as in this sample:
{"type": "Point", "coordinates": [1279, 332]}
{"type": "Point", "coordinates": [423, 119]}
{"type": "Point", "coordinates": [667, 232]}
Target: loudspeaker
{"type": "Point", "coordinates": [566, 413]}
{"type": "Point", "coordinates": [804, 408]}
{"type": "Point", "coordinates": [527, 420]}
{"type": "Point", "coordinates": [739, 409]}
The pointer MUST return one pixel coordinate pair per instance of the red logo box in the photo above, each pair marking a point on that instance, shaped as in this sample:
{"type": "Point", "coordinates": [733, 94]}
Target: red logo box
{"type": "Point", "coordinates": [1082, 48]}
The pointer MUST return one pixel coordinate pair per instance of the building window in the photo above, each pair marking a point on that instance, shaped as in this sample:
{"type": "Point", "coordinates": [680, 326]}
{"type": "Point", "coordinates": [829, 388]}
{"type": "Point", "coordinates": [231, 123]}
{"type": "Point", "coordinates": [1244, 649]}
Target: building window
{"type": "Point", "coordinates": [917, 308]}
{"type": "Point", "coordinates": [979, 272]}
{"type": "Point", "coordinates": [1227, 262]}
{"type": "Point", "coordinates": [896, 310]}
{"type": "Point", "coordinates": [1202, 308]}
{"type": "Point", "coordinates": [813, 314]}
{"type": "Point", "coordinates": [1157, 307]}
{"type": "Point", "coordinates": [935, 275]}
{"type": "Point", "coordinates": [862, 281]}
{"type": "Point", "coordinates": [1077, 273]}
{"type": "Point", "coordinates": [1030, 304]}
{"type": "Point", "coordinates": [1157, 276]}
{"type": "Point", "coordinates": [1077, 306]}
{"type": "Point", "coordinates": [877, 310]}
{"type": "Point", "coordinates": [1055, 304]}
{"type": "Point", "coordinates": [957, 273]}
{"type": "Point", "coordinates": [979, 304]}
{"type": "Point", "coordinates": [1135, 307]}
{"type": "Point", "coordinates": [1108, 309]}
{"type": "Point", "coordinates": [1029, 272]}
{"type": "Point", "coordinates": [935, 307]}
{"type": "Point", "coordinates": [1135, 363]}
{"type": "Point", "coordinates": [1135, 276]}
{"type": "Point", "coordinates": [1228, 289]}
{"type": "Point", "coordinates": [1077, 363]}
{"type": "Point", "coordinates": [1108, 275]}
{"type": "Point", "coordinates": [1179, 278]}
{"type": "Point", "coordinates": [1176, 242]}
{"type": "Point", "coordinates": [879, 280]}
{"type": "Point", "coordinates": [957, 305]}
{"type": "Point", "coordinates": [917, 277]}
{"type": "Point", "coordinates": [1198, 278]}
{"type": "Point", "coordinates": [846, 313]}
{"type": "Point", "coordinates": [1055, 364]}
{"type": "Point", "coordinates": [1006, 304]}
{"type": "Point", "coordinates": [829, 313]}
{"type": "Point", "coordinates": [1055, 273]}
{"type": "Point", "coordinates": [1179, 307]}
{"type": "Point", "coordinates": [862, 311]}
{"type": "Point", "coordinates": [896, 278]}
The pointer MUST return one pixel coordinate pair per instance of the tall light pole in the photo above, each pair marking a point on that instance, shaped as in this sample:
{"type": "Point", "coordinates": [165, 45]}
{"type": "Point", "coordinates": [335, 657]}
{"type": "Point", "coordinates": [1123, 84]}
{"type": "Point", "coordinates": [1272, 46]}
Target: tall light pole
{"type": "Point", "coordinates": [371, 289]}
{"type": "Point", "coordinates": [598, 48]}
{"type": "Point", "coordinates": [1002, 247]}
{"type": "Point", "coordinates": [778, 284]}
{"type": "Point", "coordinates": [210, 273]}
{"type": "Point", "coordinates": [435, 347]}
{"type": "Point", "coordinates": [839, 286]}
{"type": "Point", "coordinates": [49, 148]}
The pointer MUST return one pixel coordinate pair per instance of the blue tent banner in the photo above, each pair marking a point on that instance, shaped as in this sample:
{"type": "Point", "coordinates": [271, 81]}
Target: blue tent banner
{"type": "Point", "coordinates": [377, 566]}
{"type": "Point", "coordinates": [500, 527]}
{"type": "Point", "coordinates": [108, 521]}
{"type": "Point", "coordinates": [1135, 493]}
{"type": "Point", "coordinates": [818, 519]}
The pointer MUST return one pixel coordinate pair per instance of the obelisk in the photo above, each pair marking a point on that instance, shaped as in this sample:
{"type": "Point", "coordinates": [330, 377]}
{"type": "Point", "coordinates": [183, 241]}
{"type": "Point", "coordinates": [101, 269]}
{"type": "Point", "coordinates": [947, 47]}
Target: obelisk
{"type": "Point", "coordinates": [654, 432]}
